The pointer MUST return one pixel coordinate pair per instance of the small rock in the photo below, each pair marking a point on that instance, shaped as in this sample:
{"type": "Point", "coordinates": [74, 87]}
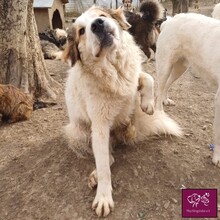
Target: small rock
{"type": "Point", "coordinates": [188, 135]}
{"type": "Point", "coordinates": [182, 187]}
{"type": "Point", "coordinates": [174, 200]}
{"type": "Point", "coordinates": [204, 127]}
{"type": "Point", "coordinates": [175, 152]}
{"type": "Point", "coordinates": [167, 204]}
{"type": "Point", "coordinates": [141, 214]}
{"type": "Point", "coordinates": [135, 172]}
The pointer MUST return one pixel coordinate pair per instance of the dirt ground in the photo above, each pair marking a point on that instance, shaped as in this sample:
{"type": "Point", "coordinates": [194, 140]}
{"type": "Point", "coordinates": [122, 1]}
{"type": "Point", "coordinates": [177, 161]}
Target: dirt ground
{"type": "Point", "coordinates": [42, 179]}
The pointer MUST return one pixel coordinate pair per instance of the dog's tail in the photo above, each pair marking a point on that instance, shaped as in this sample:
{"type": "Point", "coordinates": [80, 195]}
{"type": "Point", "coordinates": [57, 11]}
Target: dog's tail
{"type": "Point", "coordinates": [157, 124]}
{"type": "Point", "coordinates": [152, 10]}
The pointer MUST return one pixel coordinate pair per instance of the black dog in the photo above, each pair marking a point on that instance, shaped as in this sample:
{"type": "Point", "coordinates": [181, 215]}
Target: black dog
{"type": "Point", "coordinates": [53, 43]}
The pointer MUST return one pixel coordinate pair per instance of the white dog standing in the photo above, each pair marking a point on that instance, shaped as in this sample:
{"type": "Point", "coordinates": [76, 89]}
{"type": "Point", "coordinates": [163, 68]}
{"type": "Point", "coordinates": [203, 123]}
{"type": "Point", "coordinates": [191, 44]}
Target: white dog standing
{"type": "Point", "coordinates": [102, 95]}
{"type": "Point", "coordinates": [190, 40]}
{"type": "Point", "coordinates": [216, 11]}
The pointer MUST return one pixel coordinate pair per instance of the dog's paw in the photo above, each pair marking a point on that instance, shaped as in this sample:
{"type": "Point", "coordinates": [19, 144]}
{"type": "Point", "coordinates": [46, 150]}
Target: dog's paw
{"type": "Point", "coordinates": [147, 106]}
{"type": "Point", "coordinates": [103, 204]}
{"type": "Point", "coordinates": [216, 156]}
{"type": "Point", "coordinates": [168, 102]}
{"type": "Point", "coordinates": [93, 180]}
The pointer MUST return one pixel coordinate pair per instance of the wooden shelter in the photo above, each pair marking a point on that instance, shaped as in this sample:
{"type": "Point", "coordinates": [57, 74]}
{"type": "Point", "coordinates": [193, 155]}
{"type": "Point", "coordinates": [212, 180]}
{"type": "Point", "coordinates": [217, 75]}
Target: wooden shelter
{"type": "Point", "coordinates": [49, 14]}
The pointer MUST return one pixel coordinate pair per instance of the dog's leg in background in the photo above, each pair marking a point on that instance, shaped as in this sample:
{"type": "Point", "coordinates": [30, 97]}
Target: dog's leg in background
{"type": "Point", "coordinates": [216, 155]}
{"type": "Point", "coordinates": [103, 202]}
{"type": "Point", "coordinates": [167, 74]}
{"type": "Point", "coordinates": [177, 70]}
{"type": "Point", "coordinates": [146, 89]}
{"type": "Point", "coordinates": [163, 70]}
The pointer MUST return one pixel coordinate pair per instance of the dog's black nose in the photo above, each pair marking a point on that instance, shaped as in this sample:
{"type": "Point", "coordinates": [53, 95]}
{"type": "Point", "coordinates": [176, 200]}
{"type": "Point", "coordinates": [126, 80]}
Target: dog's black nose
{"type": "Point", "coordinates": [97, 25]}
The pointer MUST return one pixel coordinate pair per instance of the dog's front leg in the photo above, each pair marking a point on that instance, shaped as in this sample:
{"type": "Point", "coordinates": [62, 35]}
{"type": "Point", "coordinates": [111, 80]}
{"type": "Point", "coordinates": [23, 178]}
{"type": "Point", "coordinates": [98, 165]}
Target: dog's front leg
{"type": "Point", "coordinates": [216, 155]}
{"type": "Point", "coordinates": [103, 202]}
{"type": "Point", "coordinates": [146, 89]}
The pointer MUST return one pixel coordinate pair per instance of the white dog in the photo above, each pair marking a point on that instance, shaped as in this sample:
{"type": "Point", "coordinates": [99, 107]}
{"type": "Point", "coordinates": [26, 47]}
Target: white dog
{"type": "Point", "coordinates": [190, 40]}
{"type": "Point", "coordinates": [102, 95]}
{"type": "Point", "coordinates": [216, 11]}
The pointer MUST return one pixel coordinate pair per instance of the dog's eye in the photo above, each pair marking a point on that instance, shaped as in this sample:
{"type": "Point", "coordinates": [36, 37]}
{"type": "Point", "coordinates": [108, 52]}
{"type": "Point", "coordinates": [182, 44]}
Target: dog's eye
{"type": "Point", "coordinates": [81, 31]}
{"type": "Point", "coordinates": [102, 15]}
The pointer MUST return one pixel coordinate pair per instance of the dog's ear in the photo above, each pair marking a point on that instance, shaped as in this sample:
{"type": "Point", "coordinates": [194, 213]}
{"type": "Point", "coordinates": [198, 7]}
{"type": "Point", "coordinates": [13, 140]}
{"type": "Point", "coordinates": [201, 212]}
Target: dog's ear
{"type": "Point", "coordinates": [119, 16]}
{"type": "Point", "coordinates": [71, 52]}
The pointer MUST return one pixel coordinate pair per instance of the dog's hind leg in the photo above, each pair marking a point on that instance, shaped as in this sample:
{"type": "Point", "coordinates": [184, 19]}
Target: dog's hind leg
{"type": "Point", "coordinates": [216, 154]}
{"type": "Point", "coordinates": [78, 136]}
{"type": "Point", "coordinates": [177, 70]}
{"type": "Point", "coordinates": [163, 73]}
{"type": "Point", "coordinates": [146, 89]}
{"type": "Point", "coordinates": [166, 77]}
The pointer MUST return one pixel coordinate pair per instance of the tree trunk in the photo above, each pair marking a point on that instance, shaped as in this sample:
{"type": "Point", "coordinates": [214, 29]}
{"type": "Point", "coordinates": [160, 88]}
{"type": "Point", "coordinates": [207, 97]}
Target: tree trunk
{"type": "Point", "coordinates": [190, 3]}
{"type": "Point", "coordinates": [21, 61]}
{"type": "Point", "coordinates": [185, 6]}
{"type": "Point", "coordinates": [116, 3]}
{"type": "Point", "coordinates": [180, 6]}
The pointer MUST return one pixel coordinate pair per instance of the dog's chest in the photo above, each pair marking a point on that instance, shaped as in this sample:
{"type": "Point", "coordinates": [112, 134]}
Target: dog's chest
{"type": "Point", "coordinates": [111, 81]}
{"type": "Point", "coordinates": [114, 99]}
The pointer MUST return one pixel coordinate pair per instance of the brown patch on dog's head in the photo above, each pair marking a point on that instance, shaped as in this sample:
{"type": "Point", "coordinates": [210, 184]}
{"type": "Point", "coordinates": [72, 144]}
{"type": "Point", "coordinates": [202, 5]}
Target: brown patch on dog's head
{"type": "Point", "coordinates": [71, 52]}
{"type": "Point", "coordinates": [118, 15]}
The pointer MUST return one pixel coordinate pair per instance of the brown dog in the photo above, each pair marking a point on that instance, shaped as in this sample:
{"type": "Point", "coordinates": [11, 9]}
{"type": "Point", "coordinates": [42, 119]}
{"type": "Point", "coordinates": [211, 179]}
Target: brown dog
{"type": "Point", "coordinates": [15, 105]}
{"type": "Point", "coordinates": [144, 25]}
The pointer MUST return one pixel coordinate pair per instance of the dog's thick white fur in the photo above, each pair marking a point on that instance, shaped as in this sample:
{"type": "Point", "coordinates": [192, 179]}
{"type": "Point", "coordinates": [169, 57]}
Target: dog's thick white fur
{"type": "Point", "coordinates": [102, 94]}
{"type": "Point", "coordinates": [190, 40]}
{"type": "Point", "coordinates": [216, 11]}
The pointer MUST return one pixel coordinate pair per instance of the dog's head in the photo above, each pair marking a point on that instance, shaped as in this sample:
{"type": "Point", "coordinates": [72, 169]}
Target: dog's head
{"type": "Point", "coordinates": [60, 36]}
{"type": "Point", "coordinates": [127, 3]}
{"type": "Point", "coordinates": [95, 33]}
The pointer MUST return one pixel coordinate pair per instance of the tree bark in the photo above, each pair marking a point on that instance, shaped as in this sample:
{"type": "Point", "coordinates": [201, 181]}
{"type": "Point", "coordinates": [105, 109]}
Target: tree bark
{"type": "Point", "coordinates": [180, 6]}
{"type": "Point", "coordinates": [21, 61]}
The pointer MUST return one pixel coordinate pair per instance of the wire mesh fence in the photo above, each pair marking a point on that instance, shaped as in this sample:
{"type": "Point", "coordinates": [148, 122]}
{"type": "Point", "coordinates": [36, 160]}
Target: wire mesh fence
{"type": "Point", "coordinates": [78, 6]}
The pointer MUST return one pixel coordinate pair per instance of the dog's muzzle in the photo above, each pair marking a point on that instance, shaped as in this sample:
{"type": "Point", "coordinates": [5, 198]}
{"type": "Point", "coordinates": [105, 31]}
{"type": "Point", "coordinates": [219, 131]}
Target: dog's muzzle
{"type": "Point", "coordinates": [63, 40]}
{"type": "Point", "coordinates": [103, 31]}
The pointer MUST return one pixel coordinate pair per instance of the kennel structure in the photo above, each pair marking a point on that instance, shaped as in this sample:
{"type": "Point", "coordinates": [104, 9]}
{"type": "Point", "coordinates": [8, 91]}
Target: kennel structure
{"type": "Point", "coordinates": [49, 14]}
